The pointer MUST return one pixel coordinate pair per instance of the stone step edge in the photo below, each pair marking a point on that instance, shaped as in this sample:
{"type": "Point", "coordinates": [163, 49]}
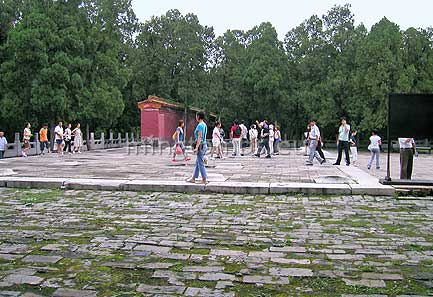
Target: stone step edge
{"type": "Point", "coordinates": [185, 187]}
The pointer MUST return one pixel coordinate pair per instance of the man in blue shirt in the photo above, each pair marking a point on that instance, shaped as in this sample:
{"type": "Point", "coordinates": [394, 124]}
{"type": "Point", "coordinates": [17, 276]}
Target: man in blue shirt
{"type": "Point", "coordinates": [343, 142]}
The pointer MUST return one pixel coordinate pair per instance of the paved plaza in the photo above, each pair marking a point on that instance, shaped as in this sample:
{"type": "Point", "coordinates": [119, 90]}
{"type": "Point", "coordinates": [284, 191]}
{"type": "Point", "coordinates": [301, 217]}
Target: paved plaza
{"type": "Point", "coordinates": [70, 242]}
{"type": "Point", "coordinates": [136, 170]}
{"type": "Point", "coordinates": [153, 163]}
{"type": "Point", "coordinates": [96, 243]}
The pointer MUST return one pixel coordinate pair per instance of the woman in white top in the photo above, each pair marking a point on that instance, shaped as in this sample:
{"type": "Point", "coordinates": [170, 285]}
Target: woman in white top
{"type": "Point", "coordinates": [253, 138]}
{"type": "Point", "coordinates": [26, 139]}
{"type": "Point", "coordinates": [271, 138]}
{"type": "Point", "coordinates": [374, 148]}
{"type": "Point", "coordinates": [78, 139]}
{"type": "Point", "coordinates": [216, 141]}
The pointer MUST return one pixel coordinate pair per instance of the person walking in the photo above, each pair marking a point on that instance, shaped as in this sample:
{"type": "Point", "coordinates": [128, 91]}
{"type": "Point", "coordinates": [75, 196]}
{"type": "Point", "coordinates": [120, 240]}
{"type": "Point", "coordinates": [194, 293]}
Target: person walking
{"type": "Point", "coordinates": [68, 139]}
{"type": "Point", "coordinates": [319, 149]}
{"type": "Point", "coordinates": [235, 135]}
{"type": "Point", "coordinates": [264, 134]}
{"type": "Point", "coordinates": [343, 142]}
{"type": "Point", "coordinates": [78, 139]}
{"type": "Point", "coordinates": [407, 151]}
{"type": "Point", "coordinates": [314, 140]}
{"type": "Point", "coordinates": [353, 141]}
{"type": "Point", "coordinates": [306, 140]}
{"type": "Point", "coordinates": [244, 138]}
{"type": "Point", "coordinates": [58, 138]}
{"type": "Point", "coordinates": [200, 148]}
{"type": "Point", "coordinates": [43, 139]}
{"type": "Point", "coordinates": [179, 138]}
{"type": "Point", "coordinates": [3, 145]}
{"type": "Point", "coordinates": [253, 138]}
{"type": "Point", "coordinates": [271, 138]}
{"type": "Point", "coordinates": [216, 141]}
{"type": "Point", "coordinates": [374, 148]}
{"type": "Point", "coordinates": [26, 139]}
{"type": "Point", "coordinates": [277, 140]}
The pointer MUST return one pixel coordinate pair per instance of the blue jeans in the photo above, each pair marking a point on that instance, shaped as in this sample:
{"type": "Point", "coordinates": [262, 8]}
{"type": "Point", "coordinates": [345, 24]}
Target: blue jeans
{"type": "Point", "coordinates": [374, 152]}
{"type": "Point", "coordinates": [199, 163]}
{"type": "Point", "coordinates": [2, 154]}
{"type": "Point", "coordinates": [313, 152]}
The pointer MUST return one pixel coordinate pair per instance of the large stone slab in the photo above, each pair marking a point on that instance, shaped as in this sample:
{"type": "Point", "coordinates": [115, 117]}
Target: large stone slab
{"type": "Point", "coordinates": [42, 259]}
{"type": "Point", "coordinates": [94, 184]}
{"type": "Point", "coordinates": [23, 279]}
{"type": "Point", "coordinates": [370, 283]}
{"type": "Point", "coordinates": [160, 289]}
{"type": "Point", "coordinates": [293, 272]}
{"type": "Point", "coordinates": [74, 293]}
{"type": "Point", "coordinates": [373, 190]}
{"type": "Point", "coordinates": [34, 182]}
{"type": "Point", "coordinates": [310, 188]}
{"type": "Point", "coordinates": [163, 185]}
{"type": "Point", "coordinates": [238, 187]}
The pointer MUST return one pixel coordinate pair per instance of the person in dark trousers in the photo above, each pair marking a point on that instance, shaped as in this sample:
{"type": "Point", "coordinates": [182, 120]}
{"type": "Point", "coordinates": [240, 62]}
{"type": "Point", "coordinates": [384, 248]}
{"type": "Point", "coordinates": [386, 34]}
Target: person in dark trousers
{"type": "Point", "coordinates": [407, 151]}
{"type": "Point", "coordinates": [319, 149]}
{"type": "Point", "coordinates": [68, 139]}
{"type": "Point", "coordinates": [343, 142]}
{"type": "Point", "coordinates": [265, 139]}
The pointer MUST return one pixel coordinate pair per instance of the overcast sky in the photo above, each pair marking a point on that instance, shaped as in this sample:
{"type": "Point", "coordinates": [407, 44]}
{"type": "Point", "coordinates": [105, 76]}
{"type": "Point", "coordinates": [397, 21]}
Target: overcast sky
{"type": "Point", "coordinates": [285, 15]}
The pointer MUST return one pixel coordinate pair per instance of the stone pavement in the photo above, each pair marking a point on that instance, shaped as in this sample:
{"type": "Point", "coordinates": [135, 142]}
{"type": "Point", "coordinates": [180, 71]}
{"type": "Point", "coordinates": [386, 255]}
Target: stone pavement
{"type": "Point", "coordinates": [96, 243]}
{"type": "Point", "coordinates": [284, 173]}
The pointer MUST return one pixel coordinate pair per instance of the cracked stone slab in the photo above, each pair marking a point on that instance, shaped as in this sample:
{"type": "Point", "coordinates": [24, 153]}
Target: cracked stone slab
{"type": "Point", "coordinates": [42, 259]}
{"type": "Point", "coordinates": [293, 272]}
{"type": "Point", "coordinates": [264, 279]}
{"type": "Point", "coordinates": [384, 276]}
{"type": "Point", "coordinates": [161, 289]}
{"type": "Point", "coordinates": [23, 279]}
{"type": "Point", "coordinates": [370, 283]}
{"type": "Point", "coordinates": [74, 293]}
{"type": "Point", "coordinates": [217, 277]}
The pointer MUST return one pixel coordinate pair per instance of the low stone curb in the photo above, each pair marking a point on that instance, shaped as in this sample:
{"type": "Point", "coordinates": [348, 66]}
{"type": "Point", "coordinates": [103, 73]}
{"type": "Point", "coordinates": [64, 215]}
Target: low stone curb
{"type": "Point", "coordinates": [185, 187]}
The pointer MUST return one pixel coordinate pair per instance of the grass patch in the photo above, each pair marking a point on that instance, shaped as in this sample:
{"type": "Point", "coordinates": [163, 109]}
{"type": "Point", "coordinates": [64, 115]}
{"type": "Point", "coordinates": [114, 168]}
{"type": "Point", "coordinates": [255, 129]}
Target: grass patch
{"type": "Point", "coordinates": [234, 267]}
{"type": "Point", "coordinates": [30, 197]}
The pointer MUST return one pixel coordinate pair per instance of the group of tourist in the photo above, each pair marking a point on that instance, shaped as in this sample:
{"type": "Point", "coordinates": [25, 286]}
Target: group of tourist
{"type": "Point", "coordinates": [346, 140]}
{"type": "Point", "coordinates": [268, 139]}
{"type": "Point", "coordinates": [66, 140]}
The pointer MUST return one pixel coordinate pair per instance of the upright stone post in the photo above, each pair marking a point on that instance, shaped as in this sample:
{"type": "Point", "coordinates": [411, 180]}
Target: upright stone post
{"type": "Point", "coordinates": [110, 142]}
{"type": "Point", "coordinates": [119, 137]}
{"type": "Point", "coordinates": [132, 137]}
{"type": "Point", "coordinates": [103, 140]}
{"type": "Point", "coordinates": [127, 139]}
{"type": "Point", "coordinates": [18, 149]}
{"type": "Point", "coordinates": [37, 143]}
{"type": "Point", "coordinates": [91, 145]}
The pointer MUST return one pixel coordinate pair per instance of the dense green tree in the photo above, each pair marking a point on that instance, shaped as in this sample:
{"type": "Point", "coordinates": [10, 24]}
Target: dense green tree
{"type": "Point", "coordinates": [61, 66]}
{"type": "Point", "coordinates": [91, 61]}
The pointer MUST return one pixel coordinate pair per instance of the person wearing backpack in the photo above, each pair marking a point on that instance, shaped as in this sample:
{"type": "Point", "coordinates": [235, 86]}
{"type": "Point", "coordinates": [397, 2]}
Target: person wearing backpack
{"type": "Point", "coordinates": [178, 137]}
{"type": "Point", "coordinates": [235, 135]}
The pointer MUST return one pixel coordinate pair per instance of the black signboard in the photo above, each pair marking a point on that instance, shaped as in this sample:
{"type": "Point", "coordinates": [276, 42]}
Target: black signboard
{"type": "Point", "coordinates": [411, 115]}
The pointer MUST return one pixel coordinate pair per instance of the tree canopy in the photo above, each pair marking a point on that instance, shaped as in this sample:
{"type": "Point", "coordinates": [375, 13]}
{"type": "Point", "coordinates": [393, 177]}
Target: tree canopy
{"type": "Point", "coordinates": [91, 61]}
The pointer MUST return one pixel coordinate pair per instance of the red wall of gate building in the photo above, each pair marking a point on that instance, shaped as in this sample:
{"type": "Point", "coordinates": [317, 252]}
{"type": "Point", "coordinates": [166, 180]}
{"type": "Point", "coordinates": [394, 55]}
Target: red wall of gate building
{"type": "Point", "coordinates": [160, 117]}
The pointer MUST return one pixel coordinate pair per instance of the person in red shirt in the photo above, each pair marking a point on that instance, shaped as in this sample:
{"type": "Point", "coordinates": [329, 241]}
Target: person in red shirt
{"type": "Point", "coordinates": [235, 135]}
